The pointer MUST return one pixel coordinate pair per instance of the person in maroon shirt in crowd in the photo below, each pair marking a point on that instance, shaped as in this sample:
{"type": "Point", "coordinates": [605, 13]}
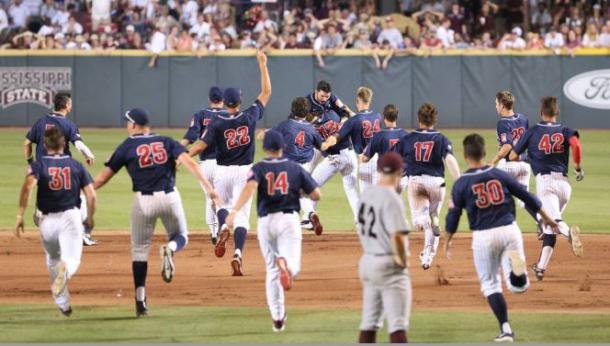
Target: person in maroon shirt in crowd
{"type": "Point", "coordinates": [457, 19]}
{"type": "Point", "coordinates": [485, 21]}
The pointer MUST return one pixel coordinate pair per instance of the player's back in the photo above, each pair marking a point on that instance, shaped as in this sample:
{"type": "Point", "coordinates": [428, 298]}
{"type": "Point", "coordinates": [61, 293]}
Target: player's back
{"type": "Point", "coordinates": [361, 128]}
{"type": "Point", "coordinates": [281, 181]}
{"type": "Point", "coordinates": [65, 125]}
{"type": "Point", "coordinates": [199, 122]}
{"type": "Point", "coordinates": [548, 147]}
{"type": "Point", "coordinates": [300, 138]}
{"type": "Point", "coordinates": [510, 129]}
{"type": "Point", "coordinates": [332, 124]}
{"type": "Point", "coordinates": [60, 179]}
{"type": "Point", "coordinates": [424, 152]}
{"type": "Point", "coordinates": [384, 141]}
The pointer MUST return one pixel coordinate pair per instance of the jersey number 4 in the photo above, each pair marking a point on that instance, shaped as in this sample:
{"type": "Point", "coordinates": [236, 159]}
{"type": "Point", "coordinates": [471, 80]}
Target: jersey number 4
{"type": "Point", "coordinates": [551, 144]}
{"type": "Point", "coordinates": [368, 129]}
{"type": "Point", "coordinates": [488, 193]}
{"type": "Point", "coordinates": [366, 219]}
{"type": "Point", "coordinates": [237, 137]}
{"type": "Point", "coordinates": [423, 150]}
{"type": "Point", "coordinates": [277, 184]}
{"type": "Point", "coordinates": [60, 178]}
{"type": "Point", "coordinates": [151, 154]}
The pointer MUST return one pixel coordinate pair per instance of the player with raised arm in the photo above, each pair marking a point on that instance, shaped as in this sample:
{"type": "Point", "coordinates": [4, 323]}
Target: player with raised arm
{"type": "Point", "coordinates": [60, 180]}
{"type": "Point", "coordinates": [279, 182]}
{"type": "Point", "coordinates": [233, 136]}
{"type": "Point", "coordinates": [383, 229]}
{"type": "Point", "coordinates": [361, 128]}
{"type": "Point", "coordinates": [548, 146]}
{"type": "Point", "coordinates": [62, 106]}
{"type": "Point", "coordinates": [207, 158]}
{"type": "Point", "coordinates": [151, 162]}
{"type": "Point", "coordinates": [485, 192]}
{"type": "Point", "coordinates": [426, 151]}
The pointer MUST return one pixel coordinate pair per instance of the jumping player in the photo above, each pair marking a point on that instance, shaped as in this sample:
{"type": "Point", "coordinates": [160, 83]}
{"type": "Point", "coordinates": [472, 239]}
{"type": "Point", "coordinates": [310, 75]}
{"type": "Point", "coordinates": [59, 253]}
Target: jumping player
{"type": "Point", "coordinates": [383, 229]}
{"type": "Point", "coordinates": [60, 180]}
{"type": "Point", "coordinates": [386, 139]}
{"type": "Point", "coordinates": [548, 149]}
{"type": "Point", "coordinates": [207, 158]}
{"type": "Point", "coordinates": [279, 183]}
{"type": "Point", "coordinates": [150, 160]}
{"type": "Point", "coordinates": [301, 139]}
{"type": "Point", "coordinates": [485, 192]}
{"type": "Point", "coordinates": [233, 135]}
{"type": "Point", "coordinates": [426, 152]}
{"type": "Point", "coordinates": [361, 128]}
{"type": "Point", "coordinates": [62, 106]}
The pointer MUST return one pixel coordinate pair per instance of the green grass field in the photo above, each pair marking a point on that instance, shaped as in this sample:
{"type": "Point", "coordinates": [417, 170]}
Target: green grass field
{"type": "Point", "coordinates": [43, 323]}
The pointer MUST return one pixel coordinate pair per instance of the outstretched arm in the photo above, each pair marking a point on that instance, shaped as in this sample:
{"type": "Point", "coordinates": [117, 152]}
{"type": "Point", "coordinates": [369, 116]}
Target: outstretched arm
{"type": "Point", "coordinates": [24, 197]}
{"type": "Point", "coordinates": [452, 166]}
{"type": "Point", "coordinates": [103, 177]}
{"type": "Point", "coordinates": [84, 149]}
{"type": "Point", "coordinates": [504, 150]}
{"type": "Point", "coordinates": [91, 197]}
{"type": "Point", "coordinates": [265, 94]}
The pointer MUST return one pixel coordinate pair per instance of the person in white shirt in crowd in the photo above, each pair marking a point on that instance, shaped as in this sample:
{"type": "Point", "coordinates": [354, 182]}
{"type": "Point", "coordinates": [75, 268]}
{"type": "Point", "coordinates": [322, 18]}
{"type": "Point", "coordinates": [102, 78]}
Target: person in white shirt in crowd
{"type": "Point", "coordinates": [265, 23]}
{"type": "Point", "coordinates": [48, 9]}
{"type": "Point", "coordinates": [33, 6]}
{"type": "Point", "coordinates": [3, 18]}
{"type": "Point", "coordinates": [100, 12]}
{"type": "Point", "coordinates": [61, 17]}
{"type": "Point", "coordinates": [554, 40]}
{"type": "Point", "coordinates": [328, 41]}
{"type": "Point", "coordinates": [60, 41]}
{"type": "Point", "coordinates": [211, 8]}
{"type": "Point", "coordinates": [604, 37]}
{"type": "Point", "coordinates": [247, 41]}
{"type": "Point", "coordinates": [216, 43]}
{"type": "Point", "coordinates": [156, 46]}
{"type": "Point", "coordinates": [541, 17]}
{"type": "Point", "coordinates": [513, 40]}
{"type": "Point", "coordinates": [19, 12]}
{"type": "Point", "coordinates": [189, 12]}
{"type": "Point", "coordinates": [390, 33]}
{"type": "Point", "coordinates": [72, 27]}
{"type": "Point", "coordinates": [445, 34]}
{"type": "Point", "coordinates": [78, 43]}
{"type": "Point", "coordinates": [591, 38]}
{"type": "Point", "coordinates": [201, 28]}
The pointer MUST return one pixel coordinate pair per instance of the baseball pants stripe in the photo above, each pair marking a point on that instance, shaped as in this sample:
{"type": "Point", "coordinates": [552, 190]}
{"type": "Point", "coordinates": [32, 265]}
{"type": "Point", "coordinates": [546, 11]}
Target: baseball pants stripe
{"type": "Point", "coordinates": [367, 173]}
{"type": "Point", "coordinates": [208, 168]}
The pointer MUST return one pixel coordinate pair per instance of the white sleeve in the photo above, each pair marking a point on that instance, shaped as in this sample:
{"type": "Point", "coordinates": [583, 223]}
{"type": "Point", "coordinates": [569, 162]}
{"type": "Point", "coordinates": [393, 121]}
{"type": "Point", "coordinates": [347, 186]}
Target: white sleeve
{"type": "Point", "coordinates": [82, 147]}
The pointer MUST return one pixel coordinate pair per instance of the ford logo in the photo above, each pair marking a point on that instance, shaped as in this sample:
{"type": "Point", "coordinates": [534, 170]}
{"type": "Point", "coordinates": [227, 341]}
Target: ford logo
{"type": "Point", "coordinates": [590, 89]}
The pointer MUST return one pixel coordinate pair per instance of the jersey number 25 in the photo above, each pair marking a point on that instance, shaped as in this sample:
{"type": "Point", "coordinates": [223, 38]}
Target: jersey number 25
{"type": "Point", "coordinates": [151, 154]}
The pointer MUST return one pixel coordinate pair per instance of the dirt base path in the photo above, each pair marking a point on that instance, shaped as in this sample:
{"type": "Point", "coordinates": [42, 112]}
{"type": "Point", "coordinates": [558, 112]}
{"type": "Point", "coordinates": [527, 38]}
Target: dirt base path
{"type": "Point", "coordinates": [328, 277]}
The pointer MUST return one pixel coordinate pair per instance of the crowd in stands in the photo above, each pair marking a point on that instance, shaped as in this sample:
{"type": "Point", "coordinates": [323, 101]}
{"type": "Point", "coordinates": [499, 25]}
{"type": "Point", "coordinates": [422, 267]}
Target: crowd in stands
{"type": "Point", "coordinates": [205, 26]}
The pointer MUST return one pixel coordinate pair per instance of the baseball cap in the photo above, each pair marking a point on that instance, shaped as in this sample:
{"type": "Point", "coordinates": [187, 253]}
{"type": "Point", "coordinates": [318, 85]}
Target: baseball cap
{"type": "Point", "coordinates": [232, 97]}
{"type": "Point", "coordinates": [517, 31]}
{"type": "Point", "coordinates": [273, 141]}
{"type": "Point", "coordinates": [389, 163]}
{"type": "Point", "coordinates": [138, 116]}
{"type": "Point", "coordinates": [130, 27]}
{"type": "Point", "coordinates": [215, 94]}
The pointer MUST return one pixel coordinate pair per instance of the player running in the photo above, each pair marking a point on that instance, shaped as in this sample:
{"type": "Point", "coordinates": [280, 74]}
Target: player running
{"type": "Point", "coordinates": [233, 135]}
{"type": "Point", "coordinates": [301, 139]}
{"type": "Point", "coordinates": [279, 183]}
{"type": "Point", "coordinates": [548, 149]}
{"type": "Point", "coordinates": [383, 229]}
{"type": "Point", "coordinates": [426, 152]}
{"type": "Point", "coordinates": [207, 158]}
{"type": "Point", "coordinates": [485, 192]}
{"type": "Point", "coordinates": [60, 180]}
{"type": "Point", "coordinates": [62, 106]}
{"type": "Point", "coordinates": [151, 160]}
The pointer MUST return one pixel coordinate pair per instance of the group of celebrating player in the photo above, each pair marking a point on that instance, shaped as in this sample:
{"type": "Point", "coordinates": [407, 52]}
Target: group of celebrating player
{"type": "Point", "coordinates": [322, 137]}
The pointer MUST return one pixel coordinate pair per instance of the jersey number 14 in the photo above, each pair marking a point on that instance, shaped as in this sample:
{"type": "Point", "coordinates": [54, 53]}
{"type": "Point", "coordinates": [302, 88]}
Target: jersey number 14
{"type": "Point", "coordinates": [277, 184]}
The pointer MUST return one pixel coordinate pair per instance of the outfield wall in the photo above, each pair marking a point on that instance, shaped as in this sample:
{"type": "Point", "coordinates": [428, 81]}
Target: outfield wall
{"type": "Point", "coordinates": [463, 86]}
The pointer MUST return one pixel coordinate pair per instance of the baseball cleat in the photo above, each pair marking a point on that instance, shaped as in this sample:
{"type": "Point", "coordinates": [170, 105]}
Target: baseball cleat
{"type": "Point", "coordinates": [577, 248]}
{"type": "Point", "coordinates": [538, 272]}
{"type": "Point", "coordinates": [61, 280]}
{"type": "Point", "coordinates": [279, 326]}
{"type": "Point", "coordinates": [236, 264]}
{"type": "Point", "coordinates": [285, 276]}
{"type": "Point", "coordinates": [306, 225]}
{"type": "Point", "coordinates": [141, 308]}
{"type": "Point", "coordinates": [505, 337]}
{"type": "Point", "coordinates": [314, 219]}
{"type": "Point", "coordinates": [517, 263]}
{"type": "Point", "coordinates": [167, 264]}
{"type": "Point", "coordinates": [221, 246]}
{"type": "Point", "coordinates": [88, 240]}
{"type": "Point", "coordinates": [66, 312]}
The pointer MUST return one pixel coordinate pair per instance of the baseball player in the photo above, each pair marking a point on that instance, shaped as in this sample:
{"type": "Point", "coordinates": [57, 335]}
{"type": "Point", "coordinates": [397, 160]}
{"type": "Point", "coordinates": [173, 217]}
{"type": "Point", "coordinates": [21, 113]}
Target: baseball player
{"type": "Point", "coordinates": [279, 183]}
{"type": "Point", "coordinates": [62, 106]}
{"type": "Point", "coordinates": [301, 139]}
{"type": "Point", "coordinates": [426, 152]}
{"type": "Point", "coordinates": [150, 160]}
{"type": "Point", "coordinates": [361, 128]}
{"type": "Point", "coordinates": [383, 229]}
{"type": "Point", "coordinates": [233, 135]}
{"type": "Point", "coordinates": [485, 192]}
{"type": "Point", "coordinates": [548, 149]}
{"type": "Point", "coordinates": [59, 179]}
{"type": "Point", "coordinates": [207, 158]}
{"type": "Point", "coordinates": [386, 139]}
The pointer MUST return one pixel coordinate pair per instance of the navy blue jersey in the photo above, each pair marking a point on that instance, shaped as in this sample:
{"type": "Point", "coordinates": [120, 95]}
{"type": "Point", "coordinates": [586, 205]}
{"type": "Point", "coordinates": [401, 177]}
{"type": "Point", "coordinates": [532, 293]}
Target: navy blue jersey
{"type": "Point", "coordinates": [65, 125]}
{"type": "Point", "coordinates": [342, 143]}
{"type": "Point", "coordinates": [319, 109]}
{"type": "Point", "coordinates": [300, 138]}
{"type": "Point", "coordinates": [199, 123]}
{"type": "Point", "coordinates": [280, 182]}
{"type": "Point", "coordinates": [60, 180]}
{"type": "Point", "coordinates": [510, 129]}
{"type": "Point", "coordinates": [384, 141]}
{"type": "Point", "coordinates": [424, 151]}
{"type": "Point", "coordinates": [548, 147]}
{"type": "Point", "coordinates": [233, 135]}
{"type": "Point", "coordinates": [150, 160]}
{"type": "Point", "coordinates": [486, 193]}
{"type": "Point", "coordinates": [361, 128]}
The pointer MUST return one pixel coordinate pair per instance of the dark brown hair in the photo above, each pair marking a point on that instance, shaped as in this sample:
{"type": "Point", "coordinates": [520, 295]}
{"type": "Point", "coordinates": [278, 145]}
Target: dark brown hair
{"type": "Point", "coordinates": [60, 101]}
{"type": "Point", "coordinates": [506, 99]}
{"type": "Point", "coordinates": [54, 140]}
{"type": "Point", "coordinates": [427, 114]}
{"type": "Point", "coordinates": [474, 147]}
{"type": "Point", "coordinates": [390, 113]}
{"type": "Point", "coordinates": [549, 106]}
{"type": "Point", "coordinates": [299, 107]}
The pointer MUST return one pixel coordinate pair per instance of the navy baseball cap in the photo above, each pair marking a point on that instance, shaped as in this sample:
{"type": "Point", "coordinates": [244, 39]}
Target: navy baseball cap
{"type": "Point", "coordinates": [273, 141]}
{"type": "Point", "coordinates": [138, 116]}
{"type": "Point", "coordinates": [232, 97]}
{"type": "Point", "coordinates": [389, 163]}
{"type": "Point", "coordinates": [215, 94]}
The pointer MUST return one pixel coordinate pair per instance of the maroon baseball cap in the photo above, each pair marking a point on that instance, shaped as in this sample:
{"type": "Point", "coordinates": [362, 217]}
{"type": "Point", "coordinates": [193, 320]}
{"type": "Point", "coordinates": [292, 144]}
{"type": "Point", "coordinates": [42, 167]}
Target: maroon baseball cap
{"type": "Point", "coordinates": [389, 163]}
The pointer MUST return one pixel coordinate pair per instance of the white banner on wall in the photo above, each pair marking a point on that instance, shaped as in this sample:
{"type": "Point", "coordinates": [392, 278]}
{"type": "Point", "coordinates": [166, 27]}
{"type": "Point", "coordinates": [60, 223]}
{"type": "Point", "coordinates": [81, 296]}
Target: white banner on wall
{"type": "Point", "coordinates": [590, 89]}
{"type": "Point", "coordinates": [33, 84]}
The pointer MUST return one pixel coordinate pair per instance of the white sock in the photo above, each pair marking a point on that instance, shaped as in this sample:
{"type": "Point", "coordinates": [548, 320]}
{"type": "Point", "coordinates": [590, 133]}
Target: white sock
{"type": "Point", "coordinates": [140, 294]}
{"type": "Point", "coordinates": [506, 328]}
{"type": "Point", "coordinates": [545, 257]}
{"type": "Point", "coordinates": [238, 252]}
{"type": "Point", "coordinates": [172, 245]}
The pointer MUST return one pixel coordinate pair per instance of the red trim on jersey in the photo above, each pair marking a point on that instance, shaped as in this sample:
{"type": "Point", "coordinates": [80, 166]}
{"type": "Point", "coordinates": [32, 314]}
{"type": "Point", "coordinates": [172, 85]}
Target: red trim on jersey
{"type": "Point", "coordinates": [576, 149]}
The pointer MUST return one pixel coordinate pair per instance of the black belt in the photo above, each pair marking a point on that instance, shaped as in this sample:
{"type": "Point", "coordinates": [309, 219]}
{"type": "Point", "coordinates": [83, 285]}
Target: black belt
{"type": "Point", "coordinates": [150, 193]}
{"type": "Point", "coordinates": [58, 211]}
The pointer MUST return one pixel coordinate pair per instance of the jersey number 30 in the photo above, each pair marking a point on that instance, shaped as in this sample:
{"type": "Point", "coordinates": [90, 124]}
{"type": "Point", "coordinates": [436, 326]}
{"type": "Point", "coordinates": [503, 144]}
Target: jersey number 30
{"type": "Point", "coordinates": [277, 184]}
{"type": "Point", "coordinates": [151, 154]}
{"type": "Point", "coordinates": [60, 178]}
{"type": "Point", "coordinates": [488, 193]}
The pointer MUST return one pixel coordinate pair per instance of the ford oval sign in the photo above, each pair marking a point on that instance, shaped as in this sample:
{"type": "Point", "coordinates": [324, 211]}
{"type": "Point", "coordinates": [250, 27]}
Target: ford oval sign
{"type": "Point", "coordinates": [590, 89]}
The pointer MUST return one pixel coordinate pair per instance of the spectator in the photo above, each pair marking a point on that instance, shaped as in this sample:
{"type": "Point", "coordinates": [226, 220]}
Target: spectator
{"type": "Point", "coordinates": [591, 38]}
{"type": "Point", "coordinates": [3, 19]}
{"type": "Point", "coordinates": [265, 23]}
{"type": "Point", "coordinates": [247, 41]}
{"type": "Point", "coordinates": [100, 12]}
{"type": "Point", "coordinates": [72, 27]}
{"type": "Point", "coordinates": [534, 42]}
{"type": "Point", "coordinates": [574, 20]}
{"type": "Point", "coordinates": [48, 9]}
{"type": "Point", "coordinates": [201, 28]}
{"type": "Point", "coordinates": [216, 43]}
{"type": "Point", "coordinates": [486, 41]}
{"type": "Point", "coordinates": [227, 40]}
{"type": "Point", "coordinates": [573, 41]}
{"type": "Point", "coordinates": [19, 12]}
{"type": "Point", "coordinates": [79, 43]}
{"type": "Point", "coordinates": [157, 45]}
{"type": "Point", "coordinates": [185, 42]}
{"type": "Point", "coordinates": [190, 11]}
{"type": "Point", "coordinates": [292, 42]}
{"type": "Point", "coordinates": [33, 6]}
{"type": "Point", "coordinates": [363, 41]}
{"type": "Point", "coordinates": [541, 17]}
{"type": "Point", "coordinates": [390, 33]}
{"type": "Point", "coordinates": [433, 6]}
{"type": "Point", "coordinates": [604, 37]}
{"type": "Point", "coordinates": [430, 41]}
{"type": "Point", "coordinates": [59, 41]}
{"type": "Point", "coordinates": [328, 41]}
{"type": "Point", "coordinates": [459, 42]}
{"type": "Point", "coordinates": [171, 41]}
{"type": "Point", "coordinates": [485, 21]}
{"type": "Point", "coordinates": [554, 40]}
{"type": "Point", "coordinates": [596, 19]}
{"type": "Point", "coordinates": [457, 19]}
{"type": "Point", "coordinates": [445, 34]}
{"type": "Point", "coordinates": [513, 40]}
{"type": "Point", "coordinates": [62, 16]}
